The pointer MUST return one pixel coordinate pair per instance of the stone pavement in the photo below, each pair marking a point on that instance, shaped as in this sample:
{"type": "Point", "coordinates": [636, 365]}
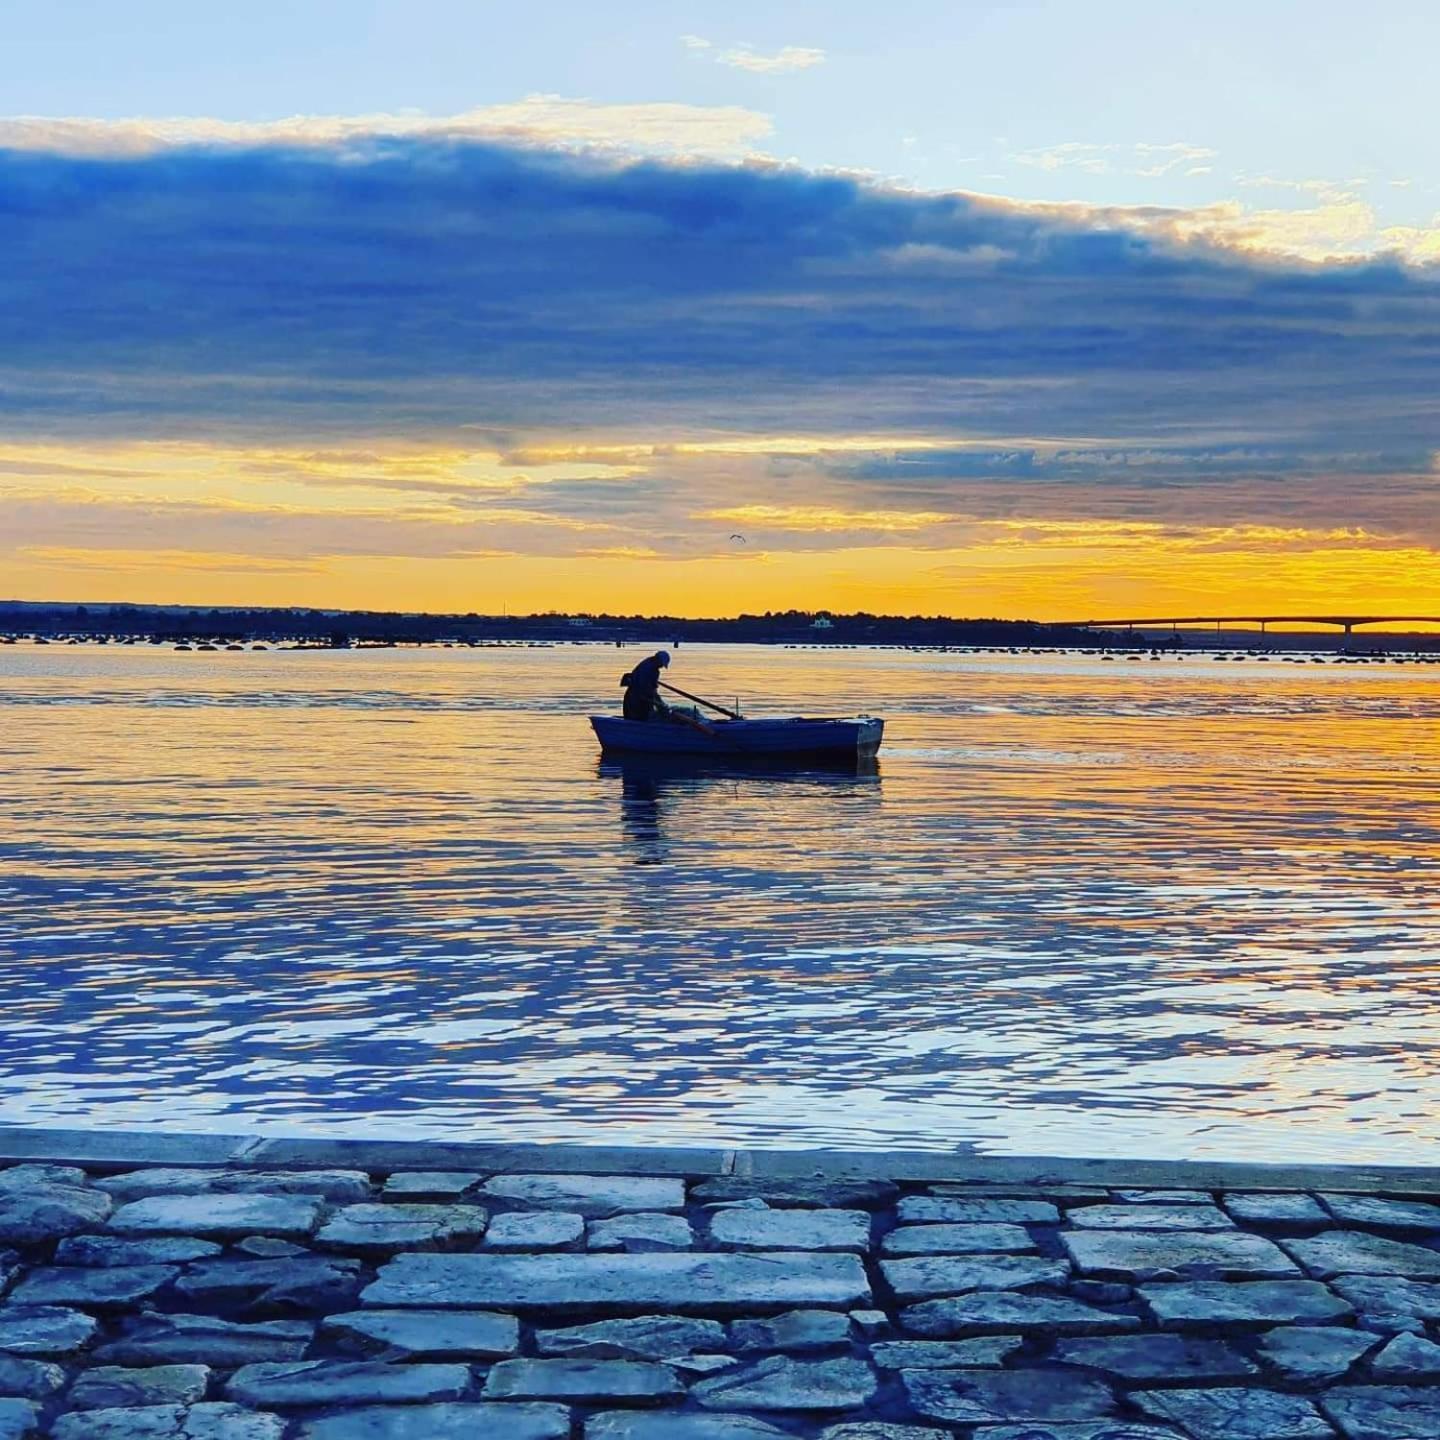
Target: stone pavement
{"type": "Point", "coordinates": [380, 1301]}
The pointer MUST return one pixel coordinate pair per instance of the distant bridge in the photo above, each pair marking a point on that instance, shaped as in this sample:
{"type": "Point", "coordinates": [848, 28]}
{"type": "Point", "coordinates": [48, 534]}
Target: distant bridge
{"type": "Point", "coordinates": [1347, 623]}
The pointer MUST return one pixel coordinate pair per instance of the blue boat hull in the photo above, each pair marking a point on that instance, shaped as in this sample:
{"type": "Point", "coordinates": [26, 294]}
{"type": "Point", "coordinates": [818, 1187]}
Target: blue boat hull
{"type": "Point", "coordinates": [797, 739]}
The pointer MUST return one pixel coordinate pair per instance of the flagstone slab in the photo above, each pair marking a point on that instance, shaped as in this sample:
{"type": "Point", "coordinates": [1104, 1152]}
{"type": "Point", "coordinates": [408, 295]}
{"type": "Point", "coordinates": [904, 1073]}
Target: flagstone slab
{"type": "Point", "coordinates": [24, 1379]}
{"type": "Point", "coordinates": [110, 1250]}
{"type": "Point", "coordinates": [996, 1312]}
{"type": "Point", "coordinates": [1384, 1412]}
{"type": "Point", "coordinates": [873, 1324]}
{"type": "Point", "coordinates": [593, 1196]}
{"type": "Point", "coordinates": [454, 1420]}
{"type": "Point", "coordinates": [306, 1383]}
{"type": "Point", "coordinates": [584, 1382]}
{"type": "Point", "coordinates": [981, 1353]}
{"type": "Point", "coordinates": [206, 1421]}
{"type": "Point", "coordinates": [108, 1387]}
{"type": "Point", "coordinates": [1200, 1303]}
{"type": "Point", "coordinates": [383, 1229]}
{"type": "Point", "coordinates": [1236, 1413]}
{"type": "Point", "coordinates": [267, 1247]}
{"type": "Point", "coordinates": [1085, 1430]}
{"type": "Point", "coordinates": [98, 1289]}
{"type": "Point", "coordinates": [426, 1334]}
{"type": "Point", "coordinates": [1157, 1358]}
{"type": "Point", "coordinates": [35, 1215]}
{"type": "Point", "coordinates": [629, 1425]}
{"type": "Point", "coordinates": [44, 1330]}
{"type": "Point", "coordinates": [927, 1276]}
{"type": "Point", "coordinates": [1314, 1354]}
{"type": "Point", "coordinates": [1381, 1213]}
{"type": "Point", "coordinates": [1140, 1255]}
{"type": "Point", "coordinates": [41, 1177]}
{"type": "Point", "coordinates": [439, 1186]}
{"type": "Point", "coordinates": [291, 1217]}
{"type": "Point", "coordinates": [1165, 1197]}
{"type": "Point", "coordinates": [796, 1331]}
{"type": "Point", "coordinates": [646, 1337]}
{"type": "Point", "coordinates": [1390, 1295]}
{"type": "Point", "coordinates": [978, 1397]}
{"type": "Point", "coordinates": [1149, 1217]}
{"type": "Point", "coordinates": [19, 1419]}
{"type": "Point", "coordinates": [685, 1282]}
{"type": "Point", "coordinates": [1353, 1252]}
{"type": "Point", "coordinates": [517, 1231]}
{"type": "Point", "coordinates": [341, 1186]}
{"type": "Point", "coordinates": [699, 1365]}
{"type": "Point", "coordinates": [883, 1430]}
{"type": "Point", "coordinates": [791, 1229]}
{"type": "Point", "coordinates": [1407, 1357]}
{"type": "Point", "coordinates": [782, 1383]}
{"type": "Point", "coordinates": [993, 1239]}
{"type": "Point", "coordinates": [643, 1234]}
{"type": "Point", "coordinates": [799, 1192]}
{"type": "Point", "coordinates": [205, 1340]}
{"type": "Point", "coordinates": [1288, 1209]}
{"type": "Point", "coordinates": [300, 1282]}
{"type": "Point", "coordinates": [943, 1210]}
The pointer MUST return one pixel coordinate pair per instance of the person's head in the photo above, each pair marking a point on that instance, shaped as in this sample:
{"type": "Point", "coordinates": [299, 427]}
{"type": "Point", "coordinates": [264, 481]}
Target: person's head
{"type": "Point", "coordinates": [663, 656]}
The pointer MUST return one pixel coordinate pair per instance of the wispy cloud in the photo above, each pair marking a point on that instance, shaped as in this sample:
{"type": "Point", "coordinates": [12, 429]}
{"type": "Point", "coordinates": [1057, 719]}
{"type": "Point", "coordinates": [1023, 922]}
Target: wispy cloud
{"type": "Point", "coordinates": [714, 131]}
{"type": "Point", "coordinates": [1144, 160]}
{"type": "Point", "coordinates": [825, 519]}
{"type": "Point", "coordinates": [784, 61]}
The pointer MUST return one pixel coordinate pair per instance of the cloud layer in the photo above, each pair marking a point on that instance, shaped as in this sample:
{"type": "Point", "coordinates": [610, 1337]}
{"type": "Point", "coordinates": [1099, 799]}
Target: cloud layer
{"type": "Point", "coordinates": [414, 341]}
{"type": "Point", "coordinates": [409, 284]}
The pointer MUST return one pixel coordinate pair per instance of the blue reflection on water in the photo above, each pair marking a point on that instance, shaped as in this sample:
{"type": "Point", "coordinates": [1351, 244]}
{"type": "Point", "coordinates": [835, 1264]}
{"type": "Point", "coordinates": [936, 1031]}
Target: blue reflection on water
{"type": "Point", "coordinates": [1155, 910]}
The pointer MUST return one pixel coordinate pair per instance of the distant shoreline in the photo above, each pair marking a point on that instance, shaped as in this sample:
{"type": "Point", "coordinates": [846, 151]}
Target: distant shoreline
{"type": "Point", "coordinates": [136, 624]}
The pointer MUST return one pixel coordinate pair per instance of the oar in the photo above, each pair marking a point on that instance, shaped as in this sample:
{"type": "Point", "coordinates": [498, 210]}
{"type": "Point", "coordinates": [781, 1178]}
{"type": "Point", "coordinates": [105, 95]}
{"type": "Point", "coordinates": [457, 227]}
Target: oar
{"type": "Point", "coordinates": [708, 704]}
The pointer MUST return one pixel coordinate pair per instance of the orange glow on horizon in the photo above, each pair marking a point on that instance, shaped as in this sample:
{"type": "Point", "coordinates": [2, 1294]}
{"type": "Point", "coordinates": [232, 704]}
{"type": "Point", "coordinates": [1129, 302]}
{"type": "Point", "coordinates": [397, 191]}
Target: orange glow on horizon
{"type": "Point", "coordinates": [375, 528]}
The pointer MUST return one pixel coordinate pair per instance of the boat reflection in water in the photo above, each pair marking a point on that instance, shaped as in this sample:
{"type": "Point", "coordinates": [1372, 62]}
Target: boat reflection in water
{"type": "Point", "coordinates": [697, 793]}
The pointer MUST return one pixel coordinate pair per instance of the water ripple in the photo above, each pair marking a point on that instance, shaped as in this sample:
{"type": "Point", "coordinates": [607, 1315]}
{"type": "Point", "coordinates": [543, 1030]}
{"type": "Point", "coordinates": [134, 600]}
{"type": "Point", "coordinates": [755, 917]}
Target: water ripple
{"type": "Point", "coordinates": [1154, 908]}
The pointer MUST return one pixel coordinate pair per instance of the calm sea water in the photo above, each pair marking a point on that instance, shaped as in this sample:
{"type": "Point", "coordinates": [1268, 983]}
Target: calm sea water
{"type": "Point", "coordinates": [1172, 908]}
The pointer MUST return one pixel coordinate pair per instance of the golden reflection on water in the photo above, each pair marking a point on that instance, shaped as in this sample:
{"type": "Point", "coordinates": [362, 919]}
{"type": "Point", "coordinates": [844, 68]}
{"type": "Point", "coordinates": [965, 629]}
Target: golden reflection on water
{"type": "Point", "coordinates": [1151, 908]}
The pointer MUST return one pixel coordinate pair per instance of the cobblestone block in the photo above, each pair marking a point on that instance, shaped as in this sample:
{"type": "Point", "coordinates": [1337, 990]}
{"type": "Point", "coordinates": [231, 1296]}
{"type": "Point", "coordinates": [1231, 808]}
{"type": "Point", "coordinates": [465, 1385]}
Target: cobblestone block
{"type": "Point", "coordinates": [1140, 1255]}
{"type": "Point", "coordinates": [345, 1382]}
{"type": "Point", "coordinates": [340, 1186]}
{"type": "Point", "coordinates": [288, 1216]}
{"type": "Point", "coordinates": [687, 1282]}
{"type": "Point", "coordinates": [780, 1383]}
{"type": "Point", "coordinates": [593, 1196]}
{"type": "Point", "coordinates": [584, 1382]}
{"type": "Point", "coordinates": [426, 1334]}
{"type": "Point", "coordinates": [957, 1240]}
{"type": "Point", "coordinates": [791, 1229]}
{"type": "Point", "coordinates": [919, 1279]}
{"type": "Point", "coordinates": [517, 1232]}
{"type": "Point", "coordinates": [456, 1420]}
{"type": "Point", "coordinates": [978, 1397]}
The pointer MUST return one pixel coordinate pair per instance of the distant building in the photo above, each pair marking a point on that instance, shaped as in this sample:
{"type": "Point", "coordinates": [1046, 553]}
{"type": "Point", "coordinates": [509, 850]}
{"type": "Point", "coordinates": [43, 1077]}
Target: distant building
{"type": "Point", "coordinates": [822, 622]}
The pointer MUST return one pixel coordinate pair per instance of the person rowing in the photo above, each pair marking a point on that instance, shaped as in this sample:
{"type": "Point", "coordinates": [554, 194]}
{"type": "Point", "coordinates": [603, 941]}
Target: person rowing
{"type": "Point", "coordinates": [642, 689]}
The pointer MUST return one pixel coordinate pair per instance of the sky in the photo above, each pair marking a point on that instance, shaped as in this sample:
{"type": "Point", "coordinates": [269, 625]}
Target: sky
{"type": "Point", "coordinates": [1033, 309]}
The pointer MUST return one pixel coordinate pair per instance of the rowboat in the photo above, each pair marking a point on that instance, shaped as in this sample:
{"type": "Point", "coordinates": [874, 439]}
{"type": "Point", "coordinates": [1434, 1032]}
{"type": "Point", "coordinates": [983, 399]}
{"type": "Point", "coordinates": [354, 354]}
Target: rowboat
{"type": "Point", "coordinates": [789, 738]}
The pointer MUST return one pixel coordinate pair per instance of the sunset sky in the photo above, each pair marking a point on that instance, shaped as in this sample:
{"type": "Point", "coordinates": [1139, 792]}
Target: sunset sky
{"type": "Point", "coordinates": [1027, 309]}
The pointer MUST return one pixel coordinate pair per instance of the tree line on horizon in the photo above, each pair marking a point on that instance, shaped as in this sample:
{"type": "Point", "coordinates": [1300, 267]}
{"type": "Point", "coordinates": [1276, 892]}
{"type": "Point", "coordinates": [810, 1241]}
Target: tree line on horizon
{"type": "Point", "coordinates": [304, 623]}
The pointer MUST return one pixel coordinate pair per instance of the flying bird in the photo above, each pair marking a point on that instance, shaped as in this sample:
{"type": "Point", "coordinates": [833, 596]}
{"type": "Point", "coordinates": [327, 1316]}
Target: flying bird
{"type": "Point", "coordinates": [740, 538]}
